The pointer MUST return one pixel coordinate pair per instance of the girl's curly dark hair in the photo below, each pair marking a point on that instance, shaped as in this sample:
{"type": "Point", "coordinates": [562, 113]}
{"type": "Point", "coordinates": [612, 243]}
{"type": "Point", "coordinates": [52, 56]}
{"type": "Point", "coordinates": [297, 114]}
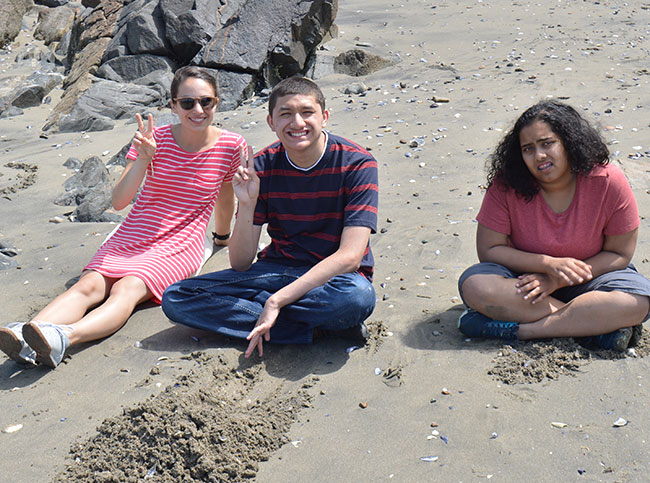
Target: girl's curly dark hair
{"type": "Point", "coordinates": [583, 144]}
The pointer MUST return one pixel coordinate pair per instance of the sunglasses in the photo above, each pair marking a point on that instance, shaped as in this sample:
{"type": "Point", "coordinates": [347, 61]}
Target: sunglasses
{"type": "Point", "coordinates": [187, 103]}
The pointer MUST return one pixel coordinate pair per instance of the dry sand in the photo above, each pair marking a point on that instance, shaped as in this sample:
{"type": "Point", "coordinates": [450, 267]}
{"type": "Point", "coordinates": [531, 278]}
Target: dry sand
{"type": "Point", "coordinates": [166, 403]}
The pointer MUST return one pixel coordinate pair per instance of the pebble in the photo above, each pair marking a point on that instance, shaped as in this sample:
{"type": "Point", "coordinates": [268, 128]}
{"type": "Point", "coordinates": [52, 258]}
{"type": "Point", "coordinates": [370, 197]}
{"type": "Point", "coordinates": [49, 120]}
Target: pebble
{"type": "Point", "coordinates": [12, 428]}
{"type": "Point", "coordinates": [620, 422]}
{"type": "Point", "coordinates": [363, 405]}
{"type": "Point", "coordinates": [429, 459]}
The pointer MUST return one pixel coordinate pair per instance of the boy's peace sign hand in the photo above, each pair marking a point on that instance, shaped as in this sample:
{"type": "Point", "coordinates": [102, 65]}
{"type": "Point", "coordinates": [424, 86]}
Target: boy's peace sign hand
{"type": "Point", "coordinates": [143, 141]}
{"type": "Point", "coordinates": [246, 182]}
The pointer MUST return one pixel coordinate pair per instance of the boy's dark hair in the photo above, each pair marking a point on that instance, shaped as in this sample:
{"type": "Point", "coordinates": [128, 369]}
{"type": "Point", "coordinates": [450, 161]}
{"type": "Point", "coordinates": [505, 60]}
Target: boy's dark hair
{"type": "Point", "coordinates": [184, 73]}
{"type": "Point", "coordinates": [296, 86]}
{"type": "Point", "coordinates": [584, 146]}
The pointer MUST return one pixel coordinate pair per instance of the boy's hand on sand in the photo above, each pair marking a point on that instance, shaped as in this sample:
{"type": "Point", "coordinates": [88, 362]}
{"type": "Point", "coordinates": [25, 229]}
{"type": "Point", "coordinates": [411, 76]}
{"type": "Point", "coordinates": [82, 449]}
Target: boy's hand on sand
{"type": "Point", "coordinates": [262, 329]}
{"type": "Point", "coordinates": [143, 141]}
{"type": "Point", "coordinates": [246, 183]}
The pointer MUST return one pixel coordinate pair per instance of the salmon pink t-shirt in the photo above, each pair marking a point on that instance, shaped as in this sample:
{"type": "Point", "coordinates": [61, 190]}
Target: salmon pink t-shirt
{"type": "Point", "coordinates": [603, 204]}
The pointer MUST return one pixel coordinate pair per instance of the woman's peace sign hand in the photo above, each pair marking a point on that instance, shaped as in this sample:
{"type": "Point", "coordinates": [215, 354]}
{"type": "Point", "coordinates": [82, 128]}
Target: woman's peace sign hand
{"type": "Point", "coordinates": [143, 141]}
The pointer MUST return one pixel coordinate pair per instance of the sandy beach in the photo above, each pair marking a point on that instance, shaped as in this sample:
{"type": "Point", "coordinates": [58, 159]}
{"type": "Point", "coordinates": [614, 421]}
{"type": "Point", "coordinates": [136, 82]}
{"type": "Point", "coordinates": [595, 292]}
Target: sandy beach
{"type": "Point", "coordinates": [419, 402]}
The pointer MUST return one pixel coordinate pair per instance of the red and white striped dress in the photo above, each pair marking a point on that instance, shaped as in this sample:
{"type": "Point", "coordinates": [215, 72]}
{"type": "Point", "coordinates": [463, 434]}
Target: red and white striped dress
{"type": "Point", "coordinates": [161, 240]}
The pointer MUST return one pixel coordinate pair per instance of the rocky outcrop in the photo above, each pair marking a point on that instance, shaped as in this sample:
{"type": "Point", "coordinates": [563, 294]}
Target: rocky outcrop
{"type": "Point", "coordinates": [54, 23]}
{"type": "Point", "coordinates": [90, 190]}
{"type": "Point", "coordinates": [11, 19]}
{"type": "Point", "coordinates": [121, 55]}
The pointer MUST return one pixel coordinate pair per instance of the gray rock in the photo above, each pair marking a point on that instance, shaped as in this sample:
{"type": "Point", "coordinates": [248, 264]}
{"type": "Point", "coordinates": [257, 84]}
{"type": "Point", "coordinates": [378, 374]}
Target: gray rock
{"type": "Point", "coordinates": [232, 87]}
{"type": "Point", "coordinates": [43, 55]}
{"type": "Point", "coordinates": [8, 249]}
{"type": "Point", "coordinates": [309, 26]}
{"type": "Point", "coordinates": [119, 159]}
{"type": "Point", "coordinates": [356, 63]}
{"type": "Point", "coordinates": [89, 189]}
{"type": "Point", "coordinates": [6, 263]}
{"type": "Point", "coordinates": [146, 31]}
{"type": "Point", "coordinates": [34, 89]}
{"type": "Point", "coordinates": [52, 3]}
{"type": "Point", "coordinates": [72, 163]}
{"type": "Point", "coordinates": [230, 48]}
{"type": "Point", "coordinates": [91, 173]}
{"type": "Point", "coordinates": [53, 23]}
{"type": "Point", "coordinates": [189, 25]}
{"type": "Point", "coordinates": [11, 19]}
{"type": "Point", "coordinates": [130, 68]}
{"type": "Point", "coordinates": [356, 88]}
{"type": "Point", "coordinates": [93, 206]}
{"type": "Point", "coordinates": [11, 111]}
{"type": "Point", "coordinates": [107, 100]}
{"type": "Point", "coordinates": [320, 65]}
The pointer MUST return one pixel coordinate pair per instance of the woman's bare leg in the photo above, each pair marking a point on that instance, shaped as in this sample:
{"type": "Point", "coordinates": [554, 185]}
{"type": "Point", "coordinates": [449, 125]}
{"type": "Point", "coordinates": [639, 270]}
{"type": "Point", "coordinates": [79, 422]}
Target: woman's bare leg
{"type": "Point", "coordinates": [72, 305]}
{"type": "Point", "coordinates": [110, 316]}
{"type": "Point", "coordinates": [497, 297]}
{"type": "Point", "coordinates": [592, 313]}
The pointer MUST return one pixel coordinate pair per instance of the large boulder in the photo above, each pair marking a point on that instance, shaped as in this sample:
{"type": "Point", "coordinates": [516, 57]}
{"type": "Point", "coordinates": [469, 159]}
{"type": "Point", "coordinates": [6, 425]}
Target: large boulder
{"type": "Point", "coordinates": [106, 101]}
{"type": "Point", "coordinates": [53, 23]}
{"type": "Point", "coordinates": [34, 89]}
{"type": "Point", "coordinates": [233, 88]}
{"type": "Point", "coordinates": [132, 68]}
{"type": "Point", "coordinates": [11, 19]}
{"type": "Point", "coordinates": [137, 44]}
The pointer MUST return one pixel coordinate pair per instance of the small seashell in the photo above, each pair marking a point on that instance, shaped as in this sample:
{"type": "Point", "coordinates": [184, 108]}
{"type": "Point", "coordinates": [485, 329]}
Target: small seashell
{"type": "Point", "coordinates": [445, 391]}
{"type": "Point", "coordinates": [429, 459]}
{"type": "Point", "coordinates": [13, 428]}
{"type": "Point", "coordinates": [363, 405]}
{"type": "Point", "coordinates": [559, 425]}
{"type": "Point", "coordinates": [494, 436]}
{"type": "Point", "coordinates": [620, 422]}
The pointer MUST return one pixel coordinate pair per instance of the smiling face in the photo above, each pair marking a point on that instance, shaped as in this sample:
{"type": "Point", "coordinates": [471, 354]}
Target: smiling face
{"type": "Point", "coordinates": [298, 121]}
{"type": "Point", "coordinates": [196, 118]}
{"type": "Point", "coordinates": [545, 156]}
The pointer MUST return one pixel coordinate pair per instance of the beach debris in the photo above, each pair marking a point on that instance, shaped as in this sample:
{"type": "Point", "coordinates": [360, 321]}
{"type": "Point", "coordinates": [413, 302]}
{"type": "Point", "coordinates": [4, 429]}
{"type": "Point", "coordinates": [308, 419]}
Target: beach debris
{"type": "Point", "coordinates": [494, 435]}
{"type": "Point", "coordinates": [620, 422]}
{"type": "Point", "coordinates": [378, 371]}
{"type": "Point", "coordinates": [434, 424]}
{"type": "Point", "coordinates": [429, 459]}
{"type": "Point", "coordinates": [556, 424]}
{"type": "Point", "coordinates": [581, 471]}
{"type": "Point", "coordinates": [12, 428]}
{"type": "Point", "coordinates": [363, 404]}
{"type": "Point", "coordinates": [445, 439]}
{"type": "Point", "coordinates": [445, 391]}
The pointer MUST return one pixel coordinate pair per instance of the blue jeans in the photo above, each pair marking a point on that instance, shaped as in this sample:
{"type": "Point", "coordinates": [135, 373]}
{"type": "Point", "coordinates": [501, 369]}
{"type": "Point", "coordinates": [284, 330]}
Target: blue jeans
{"type": "Point", "coordinates": [230, 302]}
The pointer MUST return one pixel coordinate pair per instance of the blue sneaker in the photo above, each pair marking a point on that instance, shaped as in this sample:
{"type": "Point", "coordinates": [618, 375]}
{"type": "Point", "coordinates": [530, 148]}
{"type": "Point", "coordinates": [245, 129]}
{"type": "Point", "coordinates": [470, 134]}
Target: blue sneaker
{"type": "Point", "coordinates": [618, 341]}
{"type": "Point", "coordinates": [474, 324]}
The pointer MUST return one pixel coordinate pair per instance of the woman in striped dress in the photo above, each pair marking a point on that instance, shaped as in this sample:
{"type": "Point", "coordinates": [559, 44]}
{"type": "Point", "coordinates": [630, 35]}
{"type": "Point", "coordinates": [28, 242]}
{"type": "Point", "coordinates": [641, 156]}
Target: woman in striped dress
{"type": "Point", "coordinates": [184, 167]}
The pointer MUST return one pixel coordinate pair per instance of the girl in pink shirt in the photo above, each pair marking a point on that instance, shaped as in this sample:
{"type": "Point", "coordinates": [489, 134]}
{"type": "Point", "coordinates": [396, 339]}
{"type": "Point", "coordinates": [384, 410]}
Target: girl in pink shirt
{"type": "Point", "coordinates": [557, 230]}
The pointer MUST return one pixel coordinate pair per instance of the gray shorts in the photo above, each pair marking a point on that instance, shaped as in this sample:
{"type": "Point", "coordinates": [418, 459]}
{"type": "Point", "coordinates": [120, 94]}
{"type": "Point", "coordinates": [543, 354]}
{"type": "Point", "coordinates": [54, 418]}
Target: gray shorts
{"type": "Point", "coordinates": [627, 280]}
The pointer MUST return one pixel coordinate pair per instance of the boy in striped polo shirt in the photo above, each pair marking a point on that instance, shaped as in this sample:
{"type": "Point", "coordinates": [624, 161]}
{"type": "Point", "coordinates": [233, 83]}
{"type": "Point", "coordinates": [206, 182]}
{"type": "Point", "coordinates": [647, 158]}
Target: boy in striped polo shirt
{"type": "Point", "coordinates": [318, 194]}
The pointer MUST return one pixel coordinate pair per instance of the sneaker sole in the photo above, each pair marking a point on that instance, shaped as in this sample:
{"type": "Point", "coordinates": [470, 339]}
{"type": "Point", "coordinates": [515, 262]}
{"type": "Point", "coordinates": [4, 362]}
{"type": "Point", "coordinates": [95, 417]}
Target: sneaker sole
{"type": "Point", "coordinates": [10, 345]}
{"type": "Point", "coordinates": [37, 341]}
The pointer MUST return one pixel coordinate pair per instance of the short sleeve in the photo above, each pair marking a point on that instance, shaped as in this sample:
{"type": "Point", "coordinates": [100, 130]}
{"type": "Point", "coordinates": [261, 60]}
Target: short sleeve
{"type": "Point", "coordinates": [361, 183]}
{"type": "Point", "coordinates": [623, 212]}
{"type": "Point", "coordinates": [494, 210]}
{"type": "Point", "coordinates": [235, 161]}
